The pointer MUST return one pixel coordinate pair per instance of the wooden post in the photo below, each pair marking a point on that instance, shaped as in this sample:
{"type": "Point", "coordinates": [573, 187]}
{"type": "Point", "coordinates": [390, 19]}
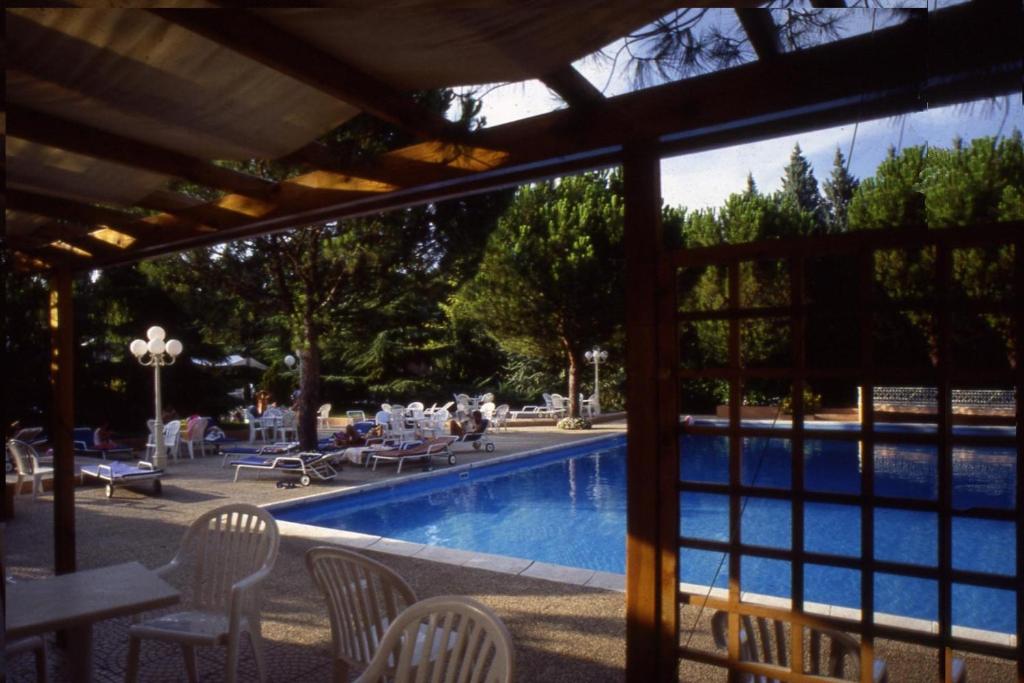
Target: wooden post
{"type": "Point", "coordinates": [651, 576]}
{"type": "Point", "coordinates": [62, 420]}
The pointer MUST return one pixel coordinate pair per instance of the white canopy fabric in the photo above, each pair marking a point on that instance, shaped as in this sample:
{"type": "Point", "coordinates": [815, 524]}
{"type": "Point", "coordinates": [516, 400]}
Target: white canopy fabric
{"type": "Point", "coordinates": [232, 361]}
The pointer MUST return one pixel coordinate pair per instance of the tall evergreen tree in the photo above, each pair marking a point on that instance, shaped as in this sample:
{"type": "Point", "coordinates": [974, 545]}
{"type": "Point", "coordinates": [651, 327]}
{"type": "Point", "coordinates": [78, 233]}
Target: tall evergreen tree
{"type": "Point", "coordinates": [839, 190]}
{"type": "Point", "coordinates": [800, 188]}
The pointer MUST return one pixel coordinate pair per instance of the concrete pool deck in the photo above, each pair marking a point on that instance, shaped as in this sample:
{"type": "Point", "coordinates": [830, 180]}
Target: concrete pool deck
{"type": "Point", "coordinates": [562, 631]}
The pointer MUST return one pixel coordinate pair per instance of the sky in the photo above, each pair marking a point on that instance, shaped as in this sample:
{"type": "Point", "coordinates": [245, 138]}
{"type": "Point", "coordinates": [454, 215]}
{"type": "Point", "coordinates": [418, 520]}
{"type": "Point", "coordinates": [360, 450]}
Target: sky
{"type": "Point", "coordinates": [706, 179]}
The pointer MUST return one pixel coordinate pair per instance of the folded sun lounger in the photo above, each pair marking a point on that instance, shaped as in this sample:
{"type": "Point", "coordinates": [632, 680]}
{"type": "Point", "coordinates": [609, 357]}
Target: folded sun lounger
{"type": "Point", "coordinates": [116, 474]}
{"type": "Point", "coordinates": [304, 465]}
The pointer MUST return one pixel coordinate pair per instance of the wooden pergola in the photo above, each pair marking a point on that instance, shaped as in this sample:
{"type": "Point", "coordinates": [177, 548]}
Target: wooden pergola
{"type": "Point", "coordinates": [106, 108]}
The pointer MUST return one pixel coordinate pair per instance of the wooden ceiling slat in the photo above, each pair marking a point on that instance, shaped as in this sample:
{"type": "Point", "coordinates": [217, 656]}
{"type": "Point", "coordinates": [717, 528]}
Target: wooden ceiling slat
{"type": "Point", "coordinates": [384, 168]}
{"type": "Point", "coordinates": [573, 87]}
{"type": "Point", "coordinates": [52, 131]}
{"type": "Point", "coordinates": [68, 210]}
{"type": "Point", "coordinates": [762, 31]}
{"type": "Point", "coordinates": [250, 35]}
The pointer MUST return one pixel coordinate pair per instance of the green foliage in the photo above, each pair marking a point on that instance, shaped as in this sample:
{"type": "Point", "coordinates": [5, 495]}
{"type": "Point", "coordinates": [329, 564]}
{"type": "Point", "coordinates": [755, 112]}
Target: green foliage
{"type": "Point", "coordinates": [838, 190]}
{"type": "Point", "coordinates": [550, 283]}
{"type": "Point", "coordinates": [800, 191]}
{"type": "Point", "coordinates": [812, 403]}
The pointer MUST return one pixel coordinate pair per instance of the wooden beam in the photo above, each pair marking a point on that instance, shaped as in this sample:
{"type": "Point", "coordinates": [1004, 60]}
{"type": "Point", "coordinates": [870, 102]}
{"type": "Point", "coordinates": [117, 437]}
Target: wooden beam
{"type": "Point", "coordinates": [573, 87]}
{"type": "Point", "coordinates": [69, 210]}
{"type": "Point", "coordinates": [384, 168]}
{"type": "Point", "coordinates": [249, 34]}
{"type": "Point", "coordinates": [142, 229]}
{"type": "Point", "coordinates": [647, 658]}
{"type": "Point", "coordinates": [762, 32]}
{"type": "Point", "coordinates": [53, 131]}
{"type": "Point", "coordinates": [63, 420]}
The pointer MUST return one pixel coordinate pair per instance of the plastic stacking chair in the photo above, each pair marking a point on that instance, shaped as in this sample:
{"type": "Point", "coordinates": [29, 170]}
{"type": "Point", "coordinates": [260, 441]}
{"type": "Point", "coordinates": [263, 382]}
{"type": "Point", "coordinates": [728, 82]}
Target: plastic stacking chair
{"type": "Point", "coordinates": [462, 640]}
{"type": "Point", "coordinates": [363, 598]}
{"type": "Point", "coordinates": [26, 466]}
{"type": "Point", "coordinates": [832, 653]}
{"type": "Point", "coordinates": [232, 550]}
{"type": "Point", "coordinates": [323, 416]}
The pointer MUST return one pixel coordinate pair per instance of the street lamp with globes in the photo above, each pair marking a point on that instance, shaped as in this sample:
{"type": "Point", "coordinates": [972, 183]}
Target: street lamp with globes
{"type": "Point", "coordinates": [157, 353]}
{"type": "Point", "coordinates": [596, 356]}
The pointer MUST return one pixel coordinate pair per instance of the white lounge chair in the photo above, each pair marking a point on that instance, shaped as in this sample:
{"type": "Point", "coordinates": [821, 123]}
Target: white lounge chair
{"type": "Point", "coordinates": [306, 466]}
{"type": "Point", "coordinates": [231, 551]}
{"type": "Point", "coordinates": [465, 640]}
{"type": "Point", "coordinates": [417, 450]}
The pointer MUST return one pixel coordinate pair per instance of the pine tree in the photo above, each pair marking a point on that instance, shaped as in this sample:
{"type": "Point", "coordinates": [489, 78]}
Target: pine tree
{"type": "Point", "coordinates": [838, 189]}
{"type": "Point", "coordinates": [800, 188]}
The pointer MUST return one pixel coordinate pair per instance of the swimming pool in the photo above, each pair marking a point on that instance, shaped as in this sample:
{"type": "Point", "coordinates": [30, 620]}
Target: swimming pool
{"type": "Point", "coordinates": [568, 507]}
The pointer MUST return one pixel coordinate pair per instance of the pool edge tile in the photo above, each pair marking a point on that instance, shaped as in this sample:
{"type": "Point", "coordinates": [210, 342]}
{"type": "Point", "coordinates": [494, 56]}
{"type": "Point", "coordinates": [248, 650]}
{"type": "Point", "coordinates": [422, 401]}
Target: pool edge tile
{"type": "Point", "coordinates": [608, 581]}
{"type": "Point", "coordinates": [503, 564]}
{"type": "Point", "coordinates": [436, 553]}
{"type": "Point", "coordinates": [394, 546]}
{"type": "Point", "coordinates": [559, 573]}
{"type": "Point", "coordinates": [316, 533]}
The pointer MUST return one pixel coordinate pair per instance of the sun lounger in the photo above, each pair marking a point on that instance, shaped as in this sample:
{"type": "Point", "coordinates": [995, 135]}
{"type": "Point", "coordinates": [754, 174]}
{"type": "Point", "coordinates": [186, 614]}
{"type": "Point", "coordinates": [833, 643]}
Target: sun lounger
{"type": "Point", "coordinates": [281, 448]}
{"type": "Point", "coordinates": [116, 474]}
{"type": "Point", "coordinates": [303, 465]}
{"type": "Point", "coordinates": [416, 450]}
{"type": "Point", "coordinates": [481, 439]}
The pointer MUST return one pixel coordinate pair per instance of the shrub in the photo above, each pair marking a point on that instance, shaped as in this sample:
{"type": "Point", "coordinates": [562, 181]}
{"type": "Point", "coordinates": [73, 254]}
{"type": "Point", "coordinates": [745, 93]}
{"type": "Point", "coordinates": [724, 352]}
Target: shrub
{"type": "Point", "coordinates": [812, 403]}
{"type": "Point", "coordinates": [574, 423]}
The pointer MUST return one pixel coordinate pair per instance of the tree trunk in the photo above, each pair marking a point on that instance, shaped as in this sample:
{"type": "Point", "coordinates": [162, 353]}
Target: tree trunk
{"type": "Point", "coordinates": [309, 388]}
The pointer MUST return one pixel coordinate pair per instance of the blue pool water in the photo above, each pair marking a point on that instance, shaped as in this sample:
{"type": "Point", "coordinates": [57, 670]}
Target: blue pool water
{"type": "Point", "coordinates": [569, 508]}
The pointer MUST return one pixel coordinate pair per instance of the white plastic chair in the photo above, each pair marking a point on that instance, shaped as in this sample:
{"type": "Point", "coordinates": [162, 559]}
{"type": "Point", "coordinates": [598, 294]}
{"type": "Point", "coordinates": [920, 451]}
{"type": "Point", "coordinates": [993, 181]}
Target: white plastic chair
{"type": "Point", "coordinates": [500, 417]}
{"type": "Point", "coordinates": [589, 406]}
{"type": "Point", "coordinates": [196, 437]}
{"type": "Point", "coordinates": [323, 417]}
{"type": "Point", "coordinates": [355, 416]}
{"type": "Point", "coordinates": [288, 425]}
{"type": "Point", "coordinates": [465, 640]}
{"type": "Point", "coordinates": [172, 432]}
{"type": "Point", "coordinates": [26, 466]}
{"type": "Point", "coordinates": [232, 550]}
{"type": "Point", "coordinates": [255, 426]}
{"type": "Point", "coordinates": [363, 598]}
{"type": "Point", "coordinates": [833, 654]}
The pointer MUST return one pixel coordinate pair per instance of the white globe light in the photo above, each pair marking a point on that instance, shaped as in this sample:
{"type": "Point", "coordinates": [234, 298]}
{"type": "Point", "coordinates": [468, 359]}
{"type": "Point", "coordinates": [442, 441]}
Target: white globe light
{"type": "Point", "coordinates": [156, 346]}
{"type": "Point", "coordinates": [138, 348]}
{"type": "Point", "coordinates": [289, 360]}
{"type": "Point", "coordinates": [174, 348]}
{"type": "Point", "coordinates": [589, 355]}
{"type": "Point", "coordinates": [604, 356]}
{"type": "Point", "coordinates": [155, 333]}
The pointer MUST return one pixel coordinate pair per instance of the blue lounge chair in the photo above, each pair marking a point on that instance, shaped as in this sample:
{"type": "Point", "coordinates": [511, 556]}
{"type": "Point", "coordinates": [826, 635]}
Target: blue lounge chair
{"type": "Point", "coordinates": [269, 449]}
{"type": "Point", "coordinates": [116, 474]}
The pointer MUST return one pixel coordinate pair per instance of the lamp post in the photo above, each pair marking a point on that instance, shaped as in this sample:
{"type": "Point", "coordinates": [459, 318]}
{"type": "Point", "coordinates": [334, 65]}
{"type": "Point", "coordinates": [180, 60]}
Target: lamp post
{"type": "Point", "coordinates": [596, 356]}
{"type": "Point", "coordinates": [157, 353]}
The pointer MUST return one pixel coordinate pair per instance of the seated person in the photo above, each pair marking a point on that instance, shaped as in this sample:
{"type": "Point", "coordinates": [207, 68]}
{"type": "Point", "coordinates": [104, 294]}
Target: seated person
{"type": "Point", "coordinates": [349, 437]}
{"type": "Point", "coordinates": [471, 426]}
{"type": "Point", "coordinates": [102, 437]}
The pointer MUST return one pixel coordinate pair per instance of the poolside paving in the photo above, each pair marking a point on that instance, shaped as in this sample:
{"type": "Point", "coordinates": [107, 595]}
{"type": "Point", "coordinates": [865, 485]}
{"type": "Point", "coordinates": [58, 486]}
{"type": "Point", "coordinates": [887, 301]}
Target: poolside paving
{"type": "Point", "coordinates": [562, 631]}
